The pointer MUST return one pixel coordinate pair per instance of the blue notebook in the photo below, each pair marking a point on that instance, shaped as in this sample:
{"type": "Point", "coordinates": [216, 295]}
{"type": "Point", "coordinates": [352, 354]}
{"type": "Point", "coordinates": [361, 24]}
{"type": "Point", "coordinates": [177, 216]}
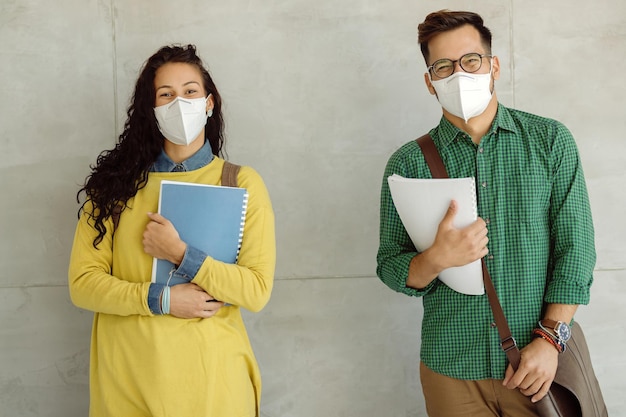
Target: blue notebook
{"type": "Point", "coordinates": [207, 217]}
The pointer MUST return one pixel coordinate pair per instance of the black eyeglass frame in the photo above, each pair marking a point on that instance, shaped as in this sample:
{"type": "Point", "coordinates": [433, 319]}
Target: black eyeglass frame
{"type": "Point", "coordinates": [431, 70]}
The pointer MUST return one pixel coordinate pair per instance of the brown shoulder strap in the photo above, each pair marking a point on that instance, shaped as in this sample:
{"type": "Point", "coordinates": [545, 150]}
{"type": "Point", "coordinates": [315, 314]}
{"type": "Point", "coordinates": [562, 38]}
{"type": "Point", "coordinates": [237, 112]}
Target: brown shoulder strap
{"type": "Point", "coordinates": [507, 342]}
{"type": "Point", "coordinates": [433, 159]}
{"type": "Point", "coordinates": [229, 174]}
{"type": "Point", "coordinates": [115, 215]}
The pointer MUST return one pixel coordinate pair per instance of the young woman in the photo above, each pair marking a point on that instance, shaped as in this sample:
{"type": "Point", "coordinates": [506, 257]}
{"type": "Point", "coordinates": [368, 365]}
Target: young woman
{"type": "Point", "coordinates": [157, 350]}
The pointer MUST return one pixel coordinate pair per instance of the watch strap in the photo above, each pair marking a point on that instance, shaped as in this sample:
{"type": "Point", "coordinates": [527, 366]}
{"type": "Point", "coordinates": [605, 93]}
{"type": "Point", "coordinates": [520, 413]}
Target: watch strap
{"type": "Point", "coordinates": [550, 324]}
{"type": "Point", "coordinates": [559, 329]}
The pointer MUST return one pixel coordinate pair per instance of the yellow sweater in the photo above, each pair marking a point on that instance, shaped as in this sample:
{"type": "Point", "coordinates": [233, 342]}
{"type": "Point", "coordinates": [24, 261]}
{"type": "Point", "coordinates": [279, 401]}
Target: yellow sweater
{"type": "Point", "coordinates": [144, 365]}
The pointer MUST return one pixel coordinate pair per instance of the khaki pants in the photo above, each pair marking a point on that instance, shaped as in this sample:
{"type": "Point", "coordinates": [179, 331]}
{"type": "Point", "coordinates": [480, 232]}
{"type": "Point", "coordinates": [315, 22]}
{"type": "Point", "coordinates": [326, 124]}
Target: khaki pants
{"type": "Point", "coordinates": [449, 397]}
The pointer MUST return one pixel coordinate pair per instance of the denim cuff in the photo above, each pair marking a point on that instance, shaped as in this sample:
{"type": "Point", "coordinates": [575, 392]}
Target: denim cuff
{"type": "Point", "coordinates": [154, 298]}
{"type": "Point", "coordinates": [191, 263]}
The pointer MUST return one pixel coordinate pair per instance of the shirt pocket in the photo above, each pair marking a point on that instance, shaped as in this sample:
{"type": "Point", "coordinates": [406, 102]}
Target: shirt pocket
{"type": "Point", "coordinates": [528, 199]}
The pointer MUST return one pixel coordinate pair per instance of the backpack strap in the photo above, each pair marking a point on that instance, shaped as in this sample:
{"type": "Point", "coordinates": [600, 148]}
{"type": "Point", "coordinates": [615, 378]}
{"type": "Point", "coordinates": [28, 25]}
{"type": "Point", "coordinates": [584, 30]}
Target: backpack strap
{"type": "Point", "coordinates": [229, 174]}
{"type": "Point", "coordinates": [115, 215]}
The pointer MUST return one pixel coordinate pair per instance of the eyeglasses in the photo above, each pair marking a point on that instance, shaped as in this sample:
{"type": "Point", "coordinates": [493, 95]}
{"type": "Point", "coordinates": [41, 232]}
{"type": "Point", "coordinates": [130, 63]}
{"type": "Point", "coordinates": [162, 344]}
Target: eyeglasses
{"type": "Point", "coordinates": [471, 62]}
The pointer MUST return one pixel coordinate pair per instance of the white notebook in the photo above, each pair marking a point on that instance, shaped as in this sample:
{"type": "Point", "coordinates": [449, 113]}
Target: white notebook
{"type": "Point", "coordinates": [422, 204]}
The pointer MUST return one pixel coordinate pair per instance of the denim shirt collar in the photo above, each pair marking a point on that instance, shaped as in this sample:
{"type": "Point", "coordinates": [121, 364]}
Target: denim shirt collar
{"type": "Point", "coordinates": [199, 159]}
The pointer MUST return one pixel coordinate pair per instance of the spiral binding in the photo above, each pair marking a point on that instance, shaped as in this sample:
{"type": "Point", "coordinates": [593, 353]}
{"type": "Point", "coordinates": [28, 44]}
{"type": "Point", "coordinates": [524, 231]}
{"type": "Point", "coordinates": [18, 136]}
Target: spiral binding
{"type": "Point", "coordinates": [474, 197]}
{"type": "Point", "coordinates": [244, 209]}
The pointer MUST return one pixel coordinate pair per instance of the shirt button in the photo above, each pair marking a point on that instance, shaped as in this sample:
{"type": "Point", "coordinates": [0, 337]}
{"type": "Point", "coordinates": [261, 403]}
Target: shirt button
{"type": "Point", "coordinates": [490, 256]}
{"type": "Point", "coordinates": [480, 150]}
{"type": "Point", "coordinates": [487, 221]}
{"type": "Point", "coordinates": [484, 184]}
{"type": "Point", "coordinates": [493, 324]}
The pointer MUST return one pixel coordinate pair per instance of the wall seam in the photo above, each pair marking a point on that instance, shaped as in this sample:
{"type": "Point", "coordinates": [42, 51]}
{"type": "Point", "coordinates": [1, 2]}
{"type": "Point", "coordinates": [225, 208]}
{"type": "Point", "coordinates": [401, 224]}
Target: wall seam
{"type": "Point", "coordinates": [512, 48]}
{"type": "Point", "coordinates": [114, 61]}
{"type": "Point", "coordinates": [287, 279]}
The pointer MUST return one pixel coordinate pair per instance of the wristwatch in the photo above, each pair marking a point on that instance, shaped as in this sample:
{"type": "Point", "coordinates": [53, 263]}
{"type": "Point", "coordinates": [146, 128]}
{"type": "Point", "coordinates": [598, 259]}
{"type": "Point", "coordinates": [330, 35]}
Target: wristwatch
{"type": "Point", "coordinates": [560, 329]}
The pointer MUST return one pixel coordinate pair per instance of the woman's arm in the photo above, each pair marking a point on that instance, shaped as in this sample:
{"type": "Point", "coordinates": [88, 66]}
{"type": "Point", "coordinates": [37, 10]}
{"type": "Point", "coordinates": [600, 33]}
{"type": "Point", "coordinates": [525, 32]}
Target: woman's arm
{"type": "Point", "coordinates": [249, 282]}
{"type": "Point", "coordinates": [93, 287]}
{"type": "Point", "coordinates": [91, 284]}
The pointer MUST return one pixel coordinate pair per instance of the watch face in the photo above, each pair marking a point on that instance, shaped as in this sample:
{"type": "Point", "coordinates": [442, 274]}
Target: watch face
{"type": "Point", "coordinates": [564, 332]}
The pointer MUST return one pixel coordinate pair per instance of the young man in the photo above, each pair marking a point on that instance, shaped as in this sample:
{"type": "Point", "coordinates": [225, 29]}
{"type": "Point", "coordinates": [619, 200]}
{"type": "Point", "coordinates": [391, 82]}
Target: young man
{"type": "Point", "coordinates": [534, 230]}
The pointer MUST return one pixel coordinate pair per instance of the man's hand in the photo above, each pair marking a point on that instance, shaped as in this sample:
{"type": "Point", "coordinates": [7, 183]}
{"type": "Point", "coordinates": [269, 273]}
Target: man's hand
{"type": "Point", "coordinates": [458, 247]}
{"type": "Point", "coordinates": [539, 361]}
{"type": "Point", "coordinates": [452, 247]}
{"type": "Point", "coordinates": [189, 301]}
{"type": "Point", "coordinates": [161, 240]}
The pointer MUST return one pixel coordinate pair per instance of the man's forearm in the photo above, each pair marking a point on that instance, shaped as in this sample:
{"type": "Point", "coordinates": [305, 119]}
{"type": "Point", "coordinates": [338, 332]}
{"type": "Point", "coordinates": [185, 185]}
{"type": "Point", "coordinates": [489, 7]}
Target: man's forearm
{"type": "Point", "coordinates": [422, 270]}
{"type": "Point", "coordinates": [560, 312]}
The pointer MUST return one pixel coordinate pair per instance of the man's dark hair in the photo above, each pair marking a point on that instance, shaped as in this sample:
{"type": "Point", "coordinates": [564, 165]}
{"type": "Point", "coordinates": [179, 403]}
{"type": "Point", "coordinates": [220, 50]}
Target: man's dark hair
{"type": "Point", "coordinates": [445, 20]}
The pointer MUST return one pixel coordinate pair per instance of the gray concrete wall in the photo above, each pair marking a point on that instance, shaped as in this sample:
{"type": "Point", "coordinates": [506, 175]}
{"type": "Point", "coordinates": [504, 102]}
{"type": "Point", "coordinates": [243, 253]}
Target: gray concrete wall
{"type": "Point", "coordinates": [318, 94]}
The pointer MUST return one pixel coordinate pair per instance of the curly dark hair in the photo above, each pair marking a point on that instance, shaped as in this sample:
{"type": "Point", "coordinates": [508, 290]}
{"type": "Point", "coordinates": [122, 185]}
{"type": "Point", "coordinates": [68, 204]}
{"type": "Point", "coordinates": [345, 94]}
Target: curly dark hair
{"type": "Point", "coordinates": [122, 171]}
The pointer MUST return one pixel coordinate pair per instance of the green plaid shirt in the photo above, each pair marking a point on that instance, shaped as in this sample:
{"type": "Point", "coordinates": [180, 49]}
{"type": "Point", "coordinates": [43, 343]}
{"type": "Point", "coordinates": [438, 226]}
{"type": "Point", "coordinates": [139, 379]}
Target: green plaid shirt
{"type": "Point", "coordinates": [532, 194]}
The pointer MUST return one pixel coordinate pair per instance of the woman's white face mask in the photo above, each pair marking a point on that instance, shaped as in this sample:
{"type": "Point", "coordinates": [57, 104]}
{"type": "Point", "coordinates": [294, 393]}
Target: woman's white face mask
{"type": "Point", "coordinates": [463, 94]}
{"type": "Point", "coordinates": [182, 120]}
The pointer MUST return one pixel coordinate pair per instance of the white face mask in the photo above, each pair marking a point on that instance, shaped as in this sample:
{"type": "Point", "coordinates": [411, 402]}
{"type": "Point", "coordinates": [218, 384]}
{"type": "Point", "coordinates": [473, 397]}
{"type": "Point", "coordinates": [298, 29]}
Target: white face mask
{"type": "Point", "coordinates": [182, 120]}
{"type": "Point", "coordinates": [463, 94]}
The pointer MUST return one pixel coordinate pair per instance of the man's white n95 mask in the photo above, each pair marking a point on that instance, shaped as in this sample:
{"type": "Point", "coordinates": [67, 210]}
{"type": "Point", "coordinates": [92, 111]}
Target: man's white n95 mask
{"type": "Point", "coordinates": [463, 94]}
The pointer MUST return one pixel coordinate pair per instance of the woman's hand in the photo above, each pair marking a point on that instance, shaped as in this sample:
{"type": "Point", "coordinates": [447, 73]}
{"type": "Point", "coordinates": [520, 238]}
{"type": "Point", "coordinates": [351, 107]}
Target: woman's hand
{"type": "Point", "coordinates": [189, 301]}
{"type": "Point", "coordinates": [161, 240]}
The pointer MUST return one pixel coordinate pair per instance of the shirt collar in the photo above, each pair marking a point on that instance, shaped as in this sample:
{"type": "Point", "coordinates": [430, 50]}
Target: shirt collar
{"type": "Point", "coordinates": [446, 132]}
{"type": "Point", "coordinates": [202, 157]}
{"type": "Point", "coordinates": [504, 120]}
